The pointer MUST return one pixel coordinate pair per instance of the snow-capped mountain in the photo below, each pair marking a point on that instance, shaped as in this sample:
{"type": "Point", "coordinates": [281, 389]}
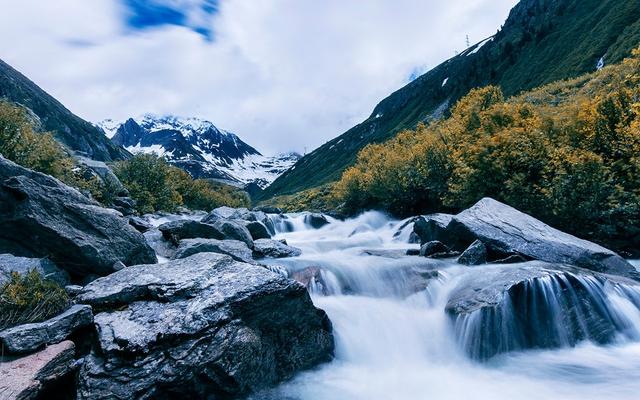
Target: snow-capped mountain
{"type": "Point", "coordinates": [199, 148]}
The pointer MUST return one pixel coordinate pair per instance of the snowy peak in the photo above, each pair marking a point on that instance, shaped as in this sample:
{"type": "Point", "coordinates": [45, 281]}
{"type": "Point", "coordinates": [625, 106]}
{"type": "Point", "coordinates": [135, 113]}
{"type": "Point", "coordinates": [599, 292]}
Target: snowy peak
{"type": "Point", "coordinates": [198, 147]}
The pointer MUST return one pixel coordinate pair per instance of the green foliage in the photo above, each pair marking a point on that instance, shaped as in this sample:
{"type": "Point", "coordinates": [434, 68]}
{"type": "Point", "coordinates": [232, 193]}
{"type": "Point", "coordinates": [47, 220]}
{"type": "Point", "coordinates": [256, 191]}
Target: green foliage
{"type": "Point", "coordinates": [566, 153]}
{"type": "Point", "coordinates": [156, 185]}
{"type": "Point", "coordinates": [322, 199]}
{"type": "Point", "coordinates": [29, 298]}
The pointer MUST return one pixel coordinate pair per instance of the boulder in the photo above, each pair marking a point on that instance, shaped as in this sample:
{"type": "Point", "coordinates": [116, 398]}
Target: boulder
{"type": "Point", "coordinates": [140, 224]}
{"type": "Point", "coordinates": [42, 217]}
{"type": "Point", "coordinates": [235, 231]}
{"type": "Point", "coordinates": [533, 305]}
{"type": "Point", "coordinates": [475, 254]}
{"type": "Point", "coordinates": [268, 248]}
{"type": "Point", "coordinates": [315, 220]}
{"type": "Point", "coordinates": [31, 377]}
{"type": "Point", "coordinates": [268, 209]}
{"type": "Point", "coordinates": [205, 326]}
{"type": "Point", "coordinates": [257, 229]}
{"type": "Point", "coordinates": [435, 249]}
{"type": "Point", "coordinates": [236, 249]}
{"type": "Point", "coordinates": [30, 337]}
{"type": "Point", "coordinates": [175, 231]}
{"type": "Point", "coordinates": [244, 216]}
{"type": "Point", "coordinates": [23, 265]}
{"type": "Point", "coordinates": [126, 205]}
{"type": "Point", "coordinates": [221, 213]}
{"type": "Point", "coordinates": [433, 227]}
{"type": "Point", "coordinates": [163, 248]}
{"type": "Point", "coordinates": [506, 231]}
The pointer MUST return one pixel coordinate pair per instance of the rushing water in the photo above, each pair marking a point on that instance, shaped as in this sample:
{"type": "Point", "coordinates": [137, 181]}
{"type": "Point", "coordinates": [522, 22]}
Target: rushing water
{"type": "Point", "coordinates": [395, 341]}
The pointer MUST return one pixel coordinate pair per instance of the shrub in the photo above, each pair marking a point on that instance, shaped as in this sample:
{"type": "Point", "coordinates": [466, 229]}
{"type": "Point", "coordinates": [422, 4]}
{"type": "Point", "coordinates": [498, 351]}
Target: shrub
{"type": "Point", "coordinates": [29, 298]}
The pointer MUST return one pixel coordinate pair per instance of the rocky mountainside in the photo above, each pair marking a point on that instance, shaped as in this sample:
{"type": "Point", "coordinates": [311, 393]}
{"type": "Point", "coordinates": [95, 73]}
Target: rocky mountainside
{"type": "Point", "coordinates": [69, 129]}
{"type": "Point", "coordinates": [542, 41]}
{"type": "Point", "coordinates": [198, 147]}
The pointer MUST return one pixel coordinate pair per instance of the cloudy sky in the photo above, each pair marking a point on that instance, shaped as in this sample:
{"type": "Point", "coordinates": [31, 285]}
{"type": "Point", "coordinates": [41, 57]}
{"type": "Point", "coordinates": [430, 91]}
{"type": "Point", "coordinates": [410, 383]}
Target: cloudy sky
{"type": "Point", "coordinates": [282, 74]}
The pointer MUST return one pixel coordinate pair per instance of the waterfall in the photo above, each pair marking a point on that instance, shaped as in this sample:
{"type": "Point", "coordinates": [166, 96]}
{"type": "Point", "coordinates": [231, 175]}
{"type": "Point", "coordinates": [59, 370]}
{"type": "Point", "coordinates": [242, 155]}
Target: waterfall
{"type": "Point", "coordinates": [559, 334]}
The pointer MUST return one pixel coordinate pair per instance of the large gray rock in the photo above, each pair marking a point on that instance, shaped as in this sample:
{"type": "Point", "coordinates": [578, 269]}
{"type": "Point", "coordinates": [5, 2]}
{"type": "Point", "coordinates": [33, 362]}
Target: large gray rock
{"type": "Point", "coordinates": [257, 229]}
{"type": "Point", "coordinates": [23, 265]}
{"type": "Point", "coordinates": [27, 378]}
{"type": "Point", "coordinates": [175, 231]}
{"type": "Point", "coordinates": [435, 249]}
{"type": "Point", "coordinates": [274, 249]}
{"type": "Point", "coordinates": [42, 217]}
{"type": "Point", "coordinates": [201, 327]}
{"type": "Point", "coordinates": [475, 254]}
{"type": "Point", "coordinates": [315, 220]}
{"type": "Point", "coordinates": [30, 337]}
{"type": "Point", "coordinates": [241, 214]}
{"type": "Point", "coordinates": [236, 249]}
{"type": "Point", "coordinates": [505, 230]}
{"type": "Point", "coordinates": [433, 227]}
{"type": "Point", "coordinates": [497, 309]}
{"type": "Point", "coordinates": [234, 231]}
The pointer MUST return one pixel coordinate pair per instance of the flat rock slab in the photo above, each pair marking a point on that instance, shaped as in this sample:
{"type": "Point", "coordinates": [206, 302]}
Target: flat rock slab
{"type": "Point", "coordinates": [236, 249]}
{"type": "Point", "coordinates": [30, 337]}
{"type": "Point", "coordinates": [23, 378]}
{"type": "Point", "coordinates": [205, 325]}
{"type": "Point", "coordinates": [270, 248]}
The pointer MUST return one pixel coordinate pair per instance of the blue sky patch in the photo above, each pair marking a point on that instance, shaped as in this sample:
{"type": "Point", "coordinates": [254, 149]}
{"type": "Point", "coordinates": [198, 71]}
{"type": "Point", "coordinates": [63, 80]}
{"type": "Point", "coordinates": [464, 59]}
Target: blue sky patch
{"type": "Point", "coordinates": [144, 14]}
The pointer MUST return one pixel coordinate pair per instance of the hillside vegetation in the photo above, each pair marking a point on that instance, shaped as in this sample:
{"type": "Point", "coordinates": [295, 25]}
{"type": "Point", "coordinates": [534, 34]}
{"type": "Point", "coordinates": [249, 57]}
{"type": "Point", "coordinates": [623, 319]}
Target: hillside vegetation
{"type": "Point", "coordinates": [542, 41]}
{"type": "Point", "coordinates": [567, 153]}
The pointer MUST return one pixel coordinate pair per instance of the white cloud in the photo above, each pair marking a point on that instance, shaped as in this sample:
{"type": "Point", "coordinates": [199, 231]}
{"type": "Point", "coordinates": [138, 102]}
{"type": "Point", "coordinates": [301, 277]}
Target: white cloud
{"type": "Point", "coordinates": [283, 74]}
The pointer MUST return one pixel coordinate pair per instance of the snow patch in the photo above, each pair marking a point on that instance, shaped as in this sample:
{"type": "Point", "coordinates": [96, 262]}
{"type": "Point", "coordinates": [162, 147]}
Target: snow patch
{"type": "Point", "coordinates": [444, 82]}
{"type": "Point", "coordinates": [479, 46]}
{"type": "Point", "coordinates": [600, 64]}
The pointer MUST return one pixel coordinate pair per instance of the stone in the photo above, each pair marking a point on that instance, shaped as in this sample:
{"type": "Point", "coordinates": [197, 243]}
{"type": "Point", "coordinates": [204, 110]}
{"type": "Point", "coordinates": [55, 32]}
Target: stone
{"type": "Point", "coordinates": [563, 305]}
{"type": "Point", "coordinates": [315, 220]}
{"type": "Point", "coordinates": [28, 378]}
{"type": "Point", "coordinates": [30, 337]}
{"type": "Point", "coordinates": [268, 248]}
{"type": "Point", "coordinates": [506, 231]}
{"type": "Point", "coordinates": [432, 227]}
{"type": "Point", "coordinates": [268, 209]}
{"type": "Point", "coordinates": [236, 249]}
{"type": "Point", "coordinates": [23, 265]}
{"type": "Point", "coordinates": [198, 327]}
{"type": "Point", "coordinates": [42, 217]}
{"type": "Point", "coordinates": [235, 231]}
{"type": "Point", "coordinates": [175, 231]}
{"type": "Point", "coordinates": [434, 249]}
{"type": "Point", "coordinates": [73, 290]}
{"type": "Point", "coordinates": [512, 259]}
{"type": "Point", "coordinates": [257, 230]}
{"type": "Point", "coordinates": [475, 254]}
{"type": "Point", "coordinates": [140, 224]}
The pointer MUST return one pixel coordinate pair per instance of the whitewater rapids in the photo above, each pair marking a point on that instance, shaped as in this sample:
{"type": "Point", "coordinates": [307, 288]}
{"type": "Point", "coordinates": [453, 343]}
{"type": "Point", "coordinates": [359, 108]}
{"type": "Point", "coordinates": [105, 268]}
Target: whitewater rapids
{"type": "Point", "coordinates": [394, 341]}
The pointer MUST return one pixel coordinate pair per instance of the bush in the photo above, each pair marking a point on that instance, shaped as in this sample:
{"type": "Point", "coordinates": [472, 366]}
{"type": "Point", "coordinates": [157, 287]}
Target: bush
{"type": "Point", "coordinates": [158, 186]}
{"type": "Point", "coordinates": [566, 153]}
{"type": "Point", "coordinates": [29, 298]}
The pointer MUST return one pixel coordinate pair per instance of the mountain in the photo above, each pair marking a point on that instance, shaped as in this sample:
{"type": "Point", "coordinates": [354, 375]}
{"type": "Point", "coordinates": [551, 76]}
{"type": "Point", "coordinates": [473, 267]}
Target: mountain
{"type": "Point", "coordinates": [542, 41]}
{"type": "Point", "coordinates": [72, 131]}
{"type": "Point", "coordinates": [199, 148]}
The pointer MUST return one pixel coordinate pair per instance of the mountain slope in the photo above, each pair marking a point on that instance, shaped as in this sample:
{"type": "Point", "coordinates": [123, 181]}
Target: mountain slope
{"type": "Point", "coordinates": [199, 148]}
{"type": "Point", "coordinates": [69, 129]}
{"type": "Point", "coordinates": [542, 41]}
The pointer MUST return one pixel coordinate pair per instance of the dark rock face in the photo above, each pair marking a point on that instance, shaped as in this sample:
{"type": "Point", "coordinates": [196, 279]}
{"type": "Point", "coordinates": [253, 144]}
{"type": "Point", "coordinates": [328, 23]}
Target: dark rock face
{"type": "Point", "coordinates": [236, 249]}
{"type": "Point", "coordinates": [200, 327]}
{"type": "Point", "coordinates": [42, 217]}
{"type": "Point", "coordinates": [435, 249]}
{"type": "Point", "coordinates": [30, 337]}
{"type": "Point", "coordinates": [27, 378]}
{"type": "Point", "coordinates": [140, 224]}
{"type": "Point", "coordinates": [244, 216]}
{"type": "Point", "coordinates": [274, 249]}
{"type": "Point", "coordinates": [257, 230]}
{"type": "Point", "coordinates": [175, 231]}
{"type": "Point", "coordinates": [23, 265]}
{"type": "Point", "coordinates": [505, 230]}
{"type": "Point", "coordinates": [499, 309]}
{"type": "Point", "coordinates": [433, 227]}
{"type": "Point", "coordinates": [315, 220]}
{"type": "Point", "coordinates": [235, 231]}
{"type": "Point", "coordinates": [475, 254]}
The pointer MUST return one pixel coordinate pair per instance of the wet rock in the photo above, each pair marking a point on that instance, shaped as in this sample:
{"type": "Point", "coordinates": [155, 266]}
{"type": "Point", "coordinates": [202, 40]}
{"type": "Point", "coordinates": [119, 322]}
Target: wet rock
{"type": "Point", "coordinates": [23, 265]}
{"type": "Point", "coordinates": [140, 224]}
{"type": "Point", "coordinates": [162, 247]}
{"type": "Point", "coordinates": [267, 248]}
{"type": "Point", "coordinates": [498, 309]}
{"type": "Point", "coordinates": [434, 249]}
{"type": "Point", "coordinates": [175, 231]}
{"type": "Point", "coordinates": [433, 227]}
{"type": "Point", "coordinates": [30, 337]}
{"type": "Point", "coordinates": [387, 253]}
{"type": "Point", "coordinates": [268, 209]}
{"type": "Point", "coordinates": [203, 326]}
{"type": "Point", "coordinates": [475, 254]}
{"type": "Point", "coordinates": [27, 378]}
{"type": "Point", "coordinates": [234, 231]}
{"type": "Point", "coordinates": [315, 220]}
{"type": "Point", "coordinates": [257, 230]}
{"type": "Point", "coordinates": [42, 217]}
{"type": "Point", "coordinates": [312, 279]}
{"type": "Point", "coordinates": [236, 249]}
{"type": "Point", "coordinates": [505, 230]}
{"type": "Point", "coordinates": [413, 252]}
